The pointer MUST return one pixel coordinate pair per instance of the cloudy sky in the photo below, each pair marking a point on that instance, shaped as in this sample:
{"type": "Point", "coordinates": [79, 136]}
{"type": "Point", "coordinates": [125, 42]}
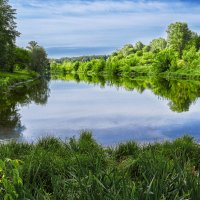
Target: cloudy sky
{"type": "Point", "coordinates": [75, 27]}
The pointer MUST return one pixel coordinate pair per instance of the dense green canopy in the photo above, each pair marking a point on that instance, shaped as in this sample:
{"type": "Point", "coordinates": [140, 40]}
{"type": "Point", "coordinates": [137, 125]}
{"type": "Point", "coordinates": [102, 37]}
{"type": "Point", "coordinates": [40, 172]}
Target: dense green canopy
{"type": "Point", "coordinates": [8, 34]}
{"type": "Point", "coordinates": [34, 58]}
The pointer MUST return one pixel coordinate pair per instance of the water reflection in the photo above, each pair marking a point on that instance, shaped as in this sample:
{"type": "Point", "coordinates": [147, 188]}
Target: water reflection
{"type": "Point", "coordinates": [180, 93]}
{"type": "Point", "coordinates": [10, 118]}
{"type": "Point", "coordinates": [114, 108]}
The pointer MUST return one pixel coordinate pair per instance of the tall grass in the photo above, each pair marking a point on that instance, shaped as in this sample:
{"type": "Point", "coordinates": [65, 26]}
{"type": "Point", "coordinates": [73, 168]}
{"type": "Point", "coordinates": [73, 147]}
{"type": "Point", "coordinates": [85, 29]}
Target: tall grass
{"type": "Point", "coordinates": [83, 169]}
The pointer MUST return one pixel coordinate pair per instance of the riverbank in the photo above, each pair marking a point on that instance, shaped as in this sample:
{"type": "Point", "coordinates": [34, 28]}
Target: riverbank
{"type": "Point", "coordinates": [83, 169]}
{"type": "Point", "coordinates": [183, 73]}
{"type": "Point", "coordinates": [10, 79]}
{"type": "Point", "coordinates": [134, 72]}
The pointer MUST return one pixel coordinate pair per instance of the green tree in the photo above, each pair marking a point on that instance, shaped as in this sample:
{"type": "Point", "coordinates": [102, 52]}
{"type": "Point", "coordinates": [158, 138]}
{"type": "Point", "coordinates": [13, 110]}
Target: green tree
{"type": "Point", "coordinates": [139, 46]}
{"type": "Point", "coordinates": [127, 49]}
{"type": "Point", "coordinates": [22, 58]}
{"type": "Point", "coordinates": [39, 61]}
{"type": "Point", "coordinates": [98, 65]}
{"type": "Point", "coordinates": [76, 65]}
{"type": "Point", "coordinates": [32, 45]}
{"type": "Point", "coordinates": [8, 36]}
{"type": "Point", "coordinates": [146, 48]}
{"type": "Point", "coordinates": [158, 44]}
{"type": "Point", "coordinates": [194, 42]}
{"type": "Point", "coordinates": [113, 66]}
{"type": "Point", "coordinates": [178, 36]}
{"type": "Point", "coordinates": [164, 61]}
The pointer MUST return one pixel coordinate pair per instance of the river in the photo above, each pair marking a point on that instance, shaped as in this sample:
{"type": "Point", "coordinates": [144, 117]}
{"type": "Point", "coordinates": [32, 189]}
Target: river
{"type": "Point", "coordinates": [115, 110]}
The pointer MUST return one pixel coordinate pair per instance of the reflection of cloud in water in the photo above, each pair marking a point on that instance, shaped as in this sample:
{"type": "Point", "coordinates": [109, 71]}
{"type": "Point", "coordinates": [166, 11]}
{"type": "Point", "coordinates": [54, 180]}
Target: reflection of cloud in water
{"type": "Point", "coordinates": [113, 135]}
{"type": "Point", "coordinates": [113, 115]}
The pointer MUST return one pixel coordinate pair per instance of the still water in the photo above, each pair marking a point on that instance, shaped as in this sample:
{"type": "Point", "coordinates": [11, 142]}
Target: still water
{"type": "Point", "coordinates": [114, 110]}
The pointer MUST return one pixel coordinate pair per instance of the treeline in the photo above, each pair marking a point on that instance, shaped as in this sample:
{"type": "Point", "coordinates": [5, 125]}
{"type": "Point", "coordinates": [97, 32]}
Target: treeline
{"type": "Point", "coordinates": [80, 58]}
{"type": "Point", "coordinates": [179, 53]}
{"type": "Point", "coordinates": [13, 58]}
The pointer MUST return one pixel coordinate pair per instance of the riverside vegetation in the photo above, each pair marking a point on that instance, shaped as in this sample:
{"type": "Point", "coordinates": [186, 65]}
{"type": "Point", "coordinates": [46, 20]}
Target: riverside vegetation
{"type": "Point", "coordinates": [17, 64]}
{"type": "Point", "coordinates": [176, 56]}
{"type": "Point", "coordinates": [82, 169]}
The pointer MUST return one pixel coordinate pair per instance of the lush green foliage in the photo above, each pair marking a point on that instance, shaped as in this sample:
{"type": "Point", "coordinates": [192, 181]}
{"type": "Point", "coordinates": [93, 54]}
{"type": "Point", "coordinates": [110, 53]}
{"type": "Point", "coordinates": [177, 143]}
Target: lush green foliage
{"type": "Point", "coordinates": [22, 58]}
{"type": "Point", "coordinates": [11, 183]}
{"type": "Point", "coordinates": [178, 55]}
{"type": "Point", "coordinates": [12, 57]}
{"type": "Point", "coordinates": [178, 36]}
{"type": "Point", "coordinates": [11, 79]}
{"type": "Point", "coordinates": [83, 169]}
{"type": "Point", "coordinates": [158, 44]}
{"type": "Point", "coordinates": [8, 36]}
{"type": "Point", "coordinates": [33, 58]}
{"type": "Point", "coordinates": [38, 58]}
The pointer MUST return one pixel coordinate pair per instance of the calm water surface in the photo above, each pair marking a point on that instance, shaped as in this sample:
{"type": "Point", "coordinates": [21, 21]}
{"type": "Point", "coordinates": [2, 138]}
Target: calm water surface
{"type": "Point", "coordinates": [112, 113]}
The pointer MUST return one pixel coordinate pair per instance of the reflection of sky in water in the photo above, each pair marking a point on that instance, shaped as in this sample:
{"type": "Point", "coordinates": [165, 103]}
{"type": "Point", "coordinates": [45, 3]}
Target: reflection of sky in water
{"type": "Point", "coordinates": [113, 115]}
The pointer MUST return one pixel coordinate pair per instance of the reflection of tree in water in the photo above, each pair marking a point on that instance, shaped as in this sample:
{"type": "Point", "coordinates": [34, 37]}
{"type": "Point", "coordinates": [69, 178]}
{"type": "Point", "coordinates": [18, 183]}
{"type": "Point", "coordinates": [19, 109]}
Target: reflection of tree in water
{"type": "Point", "coordinates": [10, 123]}
{"type": "Point", "coordinates": [180, 93]}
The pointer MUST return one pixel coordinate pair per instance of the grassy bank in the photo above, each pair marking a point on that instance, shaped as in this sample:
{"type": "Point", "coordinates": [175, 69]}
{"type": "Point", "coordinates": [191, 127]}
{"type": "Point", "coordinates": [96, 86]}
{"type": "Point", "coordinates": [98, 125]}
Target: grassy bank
{"type": "Point", "coordinates": [83, 169]}
{"type": "Point", "coordinates": [10, 79]}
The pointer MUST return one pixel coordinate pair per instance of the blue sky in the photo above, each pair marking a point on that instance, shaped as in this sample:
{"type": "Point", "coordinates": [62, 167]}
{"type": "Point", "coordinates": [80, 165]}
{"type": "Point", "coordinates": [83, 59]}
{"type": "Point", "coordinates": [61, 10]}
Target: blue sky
{"type": "Point", "coordinates": [99, 26]}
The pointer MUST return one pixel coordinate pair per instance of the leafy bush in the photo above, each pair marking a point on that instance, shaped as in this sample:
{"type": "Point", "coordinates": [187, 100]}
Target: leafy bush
{"type": "Point", "coordinates": [4, 82]}
{"type": "Point", "coordinates": [165, 60]}
{"type": "Point", "coordinates": [11, 185]}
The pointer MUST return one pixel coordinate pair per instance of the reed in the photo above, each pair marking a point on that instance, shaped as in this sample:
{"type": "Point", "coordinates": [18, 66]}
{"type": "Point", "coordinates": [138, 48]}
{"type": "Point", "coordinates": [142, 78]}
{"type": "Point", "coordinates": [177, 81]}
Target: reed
{"type": "Point", "coordinates": [83, 169]}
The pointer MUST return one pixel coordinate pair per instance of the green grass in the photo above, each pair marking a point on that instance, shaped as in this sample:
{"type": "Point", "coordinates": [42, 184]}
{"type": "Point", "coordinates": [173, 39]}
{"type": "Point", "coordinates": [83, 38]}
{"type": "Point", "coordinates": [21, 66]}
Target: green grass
{"type": "Point", "coordinates": [83, 169]}
{"type": "Point", "coordinates": [22, 75]}
{"type": "Point", "coordinates": [9, 79]}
